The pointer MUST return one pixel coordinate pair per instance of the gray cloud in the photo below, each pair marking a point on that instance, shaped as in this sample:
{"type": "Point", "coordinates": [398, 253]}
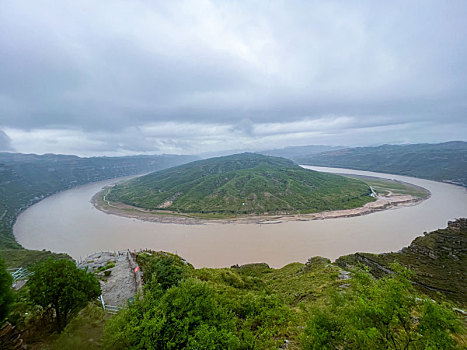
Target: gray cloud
{"type": "Point", "coordinates": [119, 77]}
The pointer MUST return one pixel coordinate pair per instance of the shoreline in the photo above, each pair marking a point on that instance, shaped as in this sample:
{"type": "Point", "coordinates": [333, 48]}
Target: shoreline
{"type": "Point", "coordinates": [381, 203]}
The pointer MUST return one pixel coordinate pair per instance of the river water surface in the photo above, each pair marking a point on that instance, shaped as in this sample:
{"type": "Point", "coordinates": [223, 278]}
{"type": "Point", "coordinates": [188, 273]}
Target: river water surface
{"type": "Point", "coordinates": [68, 222]}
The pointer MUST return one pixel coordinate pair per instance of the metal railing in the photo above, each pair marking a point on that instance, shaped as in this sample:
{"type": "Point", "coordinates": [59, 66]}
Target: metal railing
{"type": "Point", "coordinates": [19, 274]}
{"type": "Point", "coordinates": [111, 309]}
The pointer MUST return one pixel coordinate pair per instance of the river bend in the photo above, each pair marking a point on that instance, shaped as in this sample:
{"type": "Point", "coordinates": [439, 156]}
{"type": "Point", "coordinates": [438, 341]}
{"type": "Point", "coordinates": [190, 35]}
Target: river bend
{"type": "Point", "coordinates": [68, 222]}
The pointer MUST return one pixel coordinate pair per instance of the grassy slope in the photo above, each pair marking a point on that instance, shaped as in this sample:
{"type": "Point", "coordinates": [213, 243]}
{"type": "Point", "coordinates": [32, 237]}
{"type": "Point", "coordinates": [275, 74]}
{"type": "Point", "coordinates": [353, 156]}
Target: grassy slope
{"type": "Point", "coordinates": [221, 185]}
{"type": "Point", "coordinates": [439, 260]}
{"type": "Point", "coordinates": [440, 162]}
{"type": "Point", "coordinates": [27, 178]}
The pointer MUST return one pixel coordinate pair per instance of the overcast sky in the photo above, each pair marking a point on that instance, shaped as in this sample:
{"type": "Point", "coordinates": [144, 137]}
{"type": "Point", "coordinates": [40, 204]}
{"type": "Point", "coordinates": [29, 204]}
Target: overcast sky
{"type": "Point", "coordinates": [126, 77]}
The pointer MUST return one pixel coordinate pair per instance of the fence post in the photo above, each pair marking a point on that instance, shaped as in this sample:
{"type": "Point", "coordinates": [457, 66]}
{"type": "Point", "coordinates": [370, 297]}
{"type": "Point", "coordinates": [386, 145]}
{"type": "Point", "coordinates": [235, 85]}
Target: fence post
{"type": "Point", "coordinates": [102, 301]}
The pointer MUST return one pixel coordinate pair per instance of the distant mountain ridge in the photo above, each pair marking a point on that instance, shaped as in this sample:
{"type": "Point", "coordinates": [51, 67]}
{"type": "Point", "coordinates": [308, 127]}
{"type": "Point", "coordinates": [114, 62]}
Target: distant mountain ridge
{"type": "Point", "coordinates": [246, 183]}
{"type": "Point", "coordinates": [27, 178]}
{"type": "Point", "coordinates": [294, 152]}
{"type": "Point", "coordinates": [441, 162]}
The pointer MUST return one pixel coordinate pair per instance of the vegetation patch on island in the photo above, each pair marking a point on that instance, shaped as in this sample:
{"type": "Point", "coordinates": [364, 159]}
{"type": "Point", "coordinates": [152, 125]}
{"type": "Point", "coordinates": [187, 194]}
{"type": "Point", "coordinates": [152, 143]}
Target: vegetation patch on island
{"type": "Point", "coordinates": [241, 184]}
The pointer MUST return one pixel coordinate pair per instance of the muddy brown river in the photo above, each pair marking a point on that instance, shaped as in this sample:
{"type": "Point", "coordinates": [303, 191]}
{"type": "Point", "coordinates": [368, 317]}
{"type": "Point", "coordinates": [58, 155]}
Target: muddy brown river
{"type": "Point", "coordinates": [68, 222]}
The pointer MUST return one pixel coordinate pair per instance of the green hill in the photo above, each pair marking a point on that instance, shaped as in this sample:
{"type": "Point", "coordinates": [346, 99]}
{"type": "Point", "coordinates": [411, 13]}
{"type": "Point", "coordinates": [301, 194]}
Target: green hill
{"type": "Point", "coordinates": [441, 162]}
{"type": "Point", "coordinates": [244, 183]}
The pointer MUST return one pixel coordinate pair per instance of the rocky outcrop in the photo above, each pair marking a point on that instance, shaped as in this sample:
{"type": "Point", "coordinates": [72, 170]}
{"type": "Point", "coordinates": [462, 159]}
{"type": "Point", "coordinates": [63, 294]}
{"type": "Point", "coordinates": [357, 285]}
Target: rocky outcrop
{"type": "Point", "coordinates": [450, 243]}
{"type": "Point", "coordinates": [438, 259]}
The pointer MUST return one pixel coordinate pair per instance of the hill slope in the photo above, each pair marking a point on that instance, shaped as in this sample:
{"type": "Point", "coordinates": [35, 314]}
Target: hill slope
{"type": "Point", "coordinates": [440, 162]}
{"type": "Point", "coordinates": [27, 178]}
{"type": "Point", "coordinates": [242, 184]}
{"type": "Point", "coordinates": [438, 259]}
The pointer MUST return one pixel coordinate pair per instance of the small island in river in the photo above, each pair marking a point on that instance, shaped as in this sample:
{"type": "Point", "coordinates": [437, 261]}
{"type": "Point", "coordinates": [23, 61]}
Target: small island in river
{"type": "Point", "coordinates": [250, 188]}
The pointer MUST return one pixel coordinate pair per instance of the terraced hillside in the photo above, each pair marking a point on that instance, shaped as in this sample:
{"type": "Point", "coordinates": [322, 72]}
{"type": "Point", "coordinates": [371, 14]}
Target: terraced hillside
{"type": "Point", "coordinates": [244, 183]}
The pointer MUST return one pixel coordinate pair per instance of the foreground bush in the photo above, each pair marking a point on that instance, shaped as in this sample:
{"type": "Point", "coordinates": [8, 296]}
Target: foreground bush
{"type": "Point", "coordinates": [163, 269]}
{"type": "Point", "coordinates": [188, 316]}
{"type": "Point", "coordinates": [184, 308]}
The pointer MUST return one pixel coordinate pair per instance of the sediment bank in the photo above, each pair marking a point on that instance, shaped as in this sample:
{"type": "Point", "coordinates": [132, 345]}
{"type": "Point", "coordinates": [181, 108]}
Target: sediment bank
{"type": "Point", "coordinates": [382, 203]}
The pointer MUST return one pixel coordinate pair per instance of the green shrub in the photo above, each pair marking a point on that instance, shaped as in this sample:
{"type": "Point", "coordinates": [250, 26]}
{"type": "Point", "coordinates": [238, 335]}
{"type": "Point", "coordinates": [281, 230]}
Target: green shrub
{"type": "Point", "coordinates": [163, 269]}
{"type": "Point", "coordinates": [262, 320]}
{"type": "Point", "coordinates": [187, 316]}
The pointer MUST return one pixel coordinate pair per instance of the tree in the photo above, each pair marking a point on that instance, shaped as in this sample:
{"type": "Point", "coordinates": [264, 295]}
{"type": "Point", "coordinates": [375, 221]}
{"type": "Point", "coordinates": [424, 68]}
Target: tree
{"type": "Point", "coordinates": [6, 293]}
{"type": "Point", "coordinates": [61, 286]}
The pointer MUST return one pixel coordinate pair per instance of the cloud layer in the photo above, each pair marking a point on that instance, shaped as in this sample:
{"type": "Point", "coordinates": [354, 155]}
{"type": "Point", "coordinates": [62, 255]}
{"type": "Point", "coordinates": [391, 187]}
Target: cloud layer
{"type": "Point", "coordinates": [122, 77]}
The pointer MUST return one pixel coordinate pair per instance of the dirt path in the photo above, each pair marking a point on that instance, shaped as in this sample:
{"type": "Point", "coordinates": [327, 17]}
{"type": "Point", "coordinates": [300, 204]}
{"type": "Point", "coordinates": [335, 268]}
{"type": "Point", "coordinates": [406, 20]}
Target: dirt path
{"type": "Point", "coordinates": [120, 285]}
